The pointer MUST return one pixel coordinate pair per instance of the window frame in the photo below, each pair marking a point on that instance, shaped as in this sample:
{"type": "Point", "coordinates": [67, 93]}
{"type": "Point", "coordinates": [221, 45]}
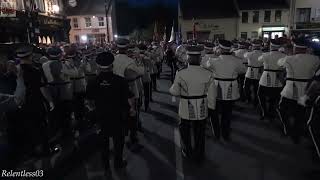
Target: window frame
{"type": "Point", "coordinates": [101, 22]}
{"type": "Point", "coordinates": [265, 19]}
{"type": "Point", "coordinates": [275, 16]}
{"type": "Point", "coordinates": [88, 22]}
{"type": "Point", "coordinates": [242, 17]}
{"type": "Point", "coordinates": [253, 17]}
{"type": "Point", "coordinates": [75, 23]}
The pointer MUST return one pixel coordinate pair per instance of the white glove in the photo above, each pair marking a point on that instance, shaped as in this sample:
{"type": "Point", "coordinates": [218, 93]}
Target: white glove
{"type": "Point", "coordinates": [51, 106]}
{"type": "Point", "coordinates": [302, 100]}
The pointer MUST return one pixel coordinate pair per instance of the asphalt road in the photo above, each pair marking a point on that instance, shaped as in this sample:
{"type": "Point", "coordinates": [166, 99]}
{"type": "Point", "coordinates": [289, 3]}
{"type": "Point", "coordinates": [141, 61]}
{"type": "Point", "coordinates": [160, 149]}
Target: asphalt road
{"type": "Point", "coordinates": [257, 151]}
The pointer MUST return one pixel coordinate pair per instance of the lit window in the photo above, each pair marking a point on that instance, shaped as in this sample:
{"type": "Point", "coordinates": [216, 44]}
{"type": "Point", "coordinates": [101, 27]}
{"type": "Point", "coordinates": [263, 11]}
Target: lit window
{"type": "Point", "coordinates": [88, 21]}
{"type": "Point", "coordinates": [101, 21]}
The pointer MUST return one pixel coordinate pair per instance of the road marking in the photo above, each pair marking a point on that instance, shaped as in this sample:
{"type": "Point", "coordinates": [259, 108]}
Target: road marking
{"type": "Point", "coordinates": [179, 165]}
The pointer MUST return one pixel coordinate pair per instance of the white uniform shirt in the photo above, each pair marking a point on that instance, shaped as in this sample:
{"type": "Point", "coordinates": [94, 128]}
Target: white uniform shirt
{"type": "Point", "coordinates": [197, 92]}
{"type": "Point", "coordinates": [240, 54]}
{"type": "Point", "coordinates": [206, 58]}
{"type": "Point", "coordinates": [300, 70]}
{"type": "Point", "coordinates": [181, 53]}
{"type": "Point", "coordinates": [254, 70]}
{"type": "Point", "coordinates": [270, 76]}
{"type": "Point", "coordinates": [226, 69]}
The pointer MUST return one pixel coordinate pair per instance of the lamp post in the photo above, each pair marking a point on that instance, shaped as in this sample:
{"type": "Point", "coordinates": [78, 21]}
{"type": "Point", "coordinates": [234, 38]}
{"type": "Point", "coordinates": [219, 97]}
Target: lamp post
{"type": "Point", "coordinates": [107, 6]}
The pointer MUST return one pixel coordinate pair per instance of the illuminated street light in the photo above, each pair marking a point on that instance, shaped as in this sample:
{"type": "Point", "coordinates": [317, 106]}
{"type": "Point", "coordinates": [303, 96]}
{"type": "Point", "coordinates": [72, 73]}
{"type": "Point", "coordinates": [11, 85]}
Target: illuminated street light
{"type": "Point", "coordinates": [84, 38]}
{"type": "Point", "coordinates": [315, 40]}
{"type": "Point", "coordinates": [55, 8]}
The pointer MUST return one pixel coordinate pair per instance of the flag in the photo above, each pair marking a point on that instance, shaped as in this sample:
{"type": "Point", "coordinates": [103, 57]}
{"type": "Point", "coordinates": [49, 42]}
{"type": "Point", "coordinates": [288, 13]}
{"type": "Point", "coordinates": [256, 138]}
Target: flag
{"type": "Point", "coordinates": [173, 36]}
{"type": "Point", "coordinates": [165, 34]}
{"type": "Point", "coordinates": [179, 35]}
{"type": "Point", "coordinates": [155, 32]}
{"type": "Point", "coordinates": [194, 34]}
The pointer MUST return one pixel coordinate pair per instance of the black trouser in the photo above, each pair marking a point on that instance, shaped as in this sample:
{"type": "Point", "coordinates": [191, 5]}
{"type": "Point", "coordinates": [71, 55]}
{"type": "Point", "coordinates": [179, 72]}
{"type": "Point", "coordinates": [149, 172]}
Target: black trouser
{"type": "Point", "coordinates": [159, 67]}
{"type": "Point", "coordinates": [215, 122]}
{"type": "Point", "coordinates": [273, 93]}
{"type": "Point", "coordinates": [60, 118]}
{"type": "Point", "coordinates": [198, 127]}
{"type": "Point", "coordinates": [247, 87]}
{"type": "Point", "coordinates": [147, 94]}
{"type": "Point", "coordinates": [290, 108]}
{"type": "Point", "coordinates": [173, 71]}
{"type": "Point", "coordinates": [79, 111]}
{"type": "Point", "coordinates": [154, 82]}
{"type": "Point", "coordinates": [241, 78]}
{"type": "Point", "coordinates": [27, 130]}
{"type": "Point", "coordinates": [118, 143]}
{"type": "Point", "coordinates": [133, 129]}
{"type": "Point", "coordinates": [223, 108]}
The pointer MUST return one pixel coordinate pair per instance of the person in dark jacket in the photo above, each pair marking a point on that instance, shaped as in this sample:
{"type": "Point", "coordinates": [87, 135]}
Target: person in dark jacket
{"type": "Point", "coordinates": [110, 94]}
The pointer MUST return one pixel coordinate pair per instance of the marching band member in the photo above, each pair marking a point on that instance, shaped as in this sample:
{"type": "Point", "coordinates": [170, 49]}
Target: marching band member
{"type": "Point", "coordinates": [126, 67]}
{"type": "Point", "coordinates": [270, 84]}
{"type": "Point", "coordinates": [226, 69]}
{"type": "Point", "coordinates": [195, 87]}
{"type": "Point", "coordinates": [254, 71]}
{"type": "Point", "coordinates": [300, 69]}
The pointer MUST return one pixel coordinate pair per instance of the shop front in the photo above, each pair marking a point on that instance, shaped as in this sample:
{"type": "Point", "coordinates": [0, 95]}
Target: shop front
{"type": "Point", "coordinates": [272, 32]}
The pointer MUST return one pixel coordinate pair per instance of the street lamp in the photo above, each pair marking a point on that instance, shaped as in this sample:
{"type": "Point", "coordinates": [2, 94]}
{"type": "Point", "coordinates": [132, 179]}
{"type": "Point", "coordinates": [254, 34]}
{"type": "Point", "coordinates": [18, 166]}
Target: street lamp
{"type": "Point", "coordinates": [55, 8]}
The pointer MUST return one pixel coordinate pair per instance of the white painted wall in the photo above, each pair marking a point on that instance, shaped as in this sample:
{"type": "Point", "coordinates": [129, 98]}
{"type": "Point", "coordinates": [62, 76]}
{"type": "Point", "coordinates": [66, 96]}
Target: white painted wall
{"type": "Point", "coordinates": [83, 30]}
{"type": "Point", "coordinates": [250, 26]}
{"type": "Point", "coordinates": [226, 26]}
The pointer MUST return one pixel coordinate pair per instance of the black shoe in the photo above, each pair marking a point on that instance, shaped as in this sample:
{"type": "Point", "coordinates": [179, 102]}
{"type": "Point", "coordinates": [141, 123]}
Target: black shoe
{"type": "Point", "coordinates": [120, 165]}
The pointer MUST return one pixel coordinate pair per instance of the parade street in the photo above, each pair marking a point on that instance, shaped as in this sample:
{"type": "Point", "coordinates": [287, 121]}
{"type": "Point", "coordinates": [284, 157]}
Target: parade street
{"type": "Point", "coordinates": [257, 151]}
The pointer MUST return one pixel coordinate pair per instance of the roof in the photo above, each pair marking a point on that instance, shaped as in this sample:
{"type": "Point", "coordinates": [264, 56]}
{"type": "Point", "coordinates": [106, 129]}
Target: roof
{"type": "Point", "coordinates": [208, 9]}
{"type": "Point", "coordinates": [262, 4]}
{"type": "Point", "coordinates": [87, 7]}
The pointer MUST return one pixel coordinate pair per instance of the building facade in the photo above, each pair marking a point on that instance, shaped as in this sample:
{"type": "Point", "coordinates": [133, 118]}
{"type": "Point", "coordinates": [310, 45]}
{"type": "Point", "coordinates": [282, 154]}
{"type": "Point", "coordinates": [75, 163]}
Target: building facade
{"type": "Point", "coordinates": [305, 16]}
{"type": "Point", "coordinates": [90, 29]}
{"type": "Point", "coordinates": [37, 21]}
{"type": "Point", "coordinates": [207, 20]}
{"type": "Point", "coordinates": [89, 23]}
{"type": "Point", "coordinates": [266, 19]}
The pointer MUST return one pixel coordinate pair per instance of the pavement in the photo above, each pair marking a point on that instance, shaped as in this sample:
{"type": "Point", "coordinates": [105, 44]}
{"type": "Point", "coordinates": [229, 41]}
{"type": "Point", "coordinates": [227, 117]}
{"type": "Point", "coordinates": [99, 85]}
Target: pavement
{"type": "Point", "coordinates": [257, 151]}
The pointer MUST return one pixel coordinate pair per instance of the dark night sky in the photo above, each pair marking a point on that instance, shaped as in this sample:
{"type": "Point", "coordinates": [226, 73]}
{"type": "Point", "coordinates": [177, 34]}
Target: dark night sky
{"type": "Point", "coordinates": [133, 14]}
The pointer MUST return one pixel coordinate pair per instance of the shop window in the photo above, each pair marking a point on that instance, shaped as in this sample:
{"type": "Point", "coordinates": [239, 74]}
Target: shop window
{"type": "Point", "coordinates": [245, 17]}
{"type": "Point", "coordinates": [88, 21]}
{"type": "Point", "coordinates": [254, 34]}
{"type": "Point", "coordinates": [303, 14]}
{"type": "Point", "coordinates": [75, 23]}
{"type": "Point", "coordinates": [244, 35]}
{"type": "Point", "coordinates": [255, 18]}
{"type": "Point", "coordinates": [101, 21]}
{"type": "Point", "coordinates": [278, 16]}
